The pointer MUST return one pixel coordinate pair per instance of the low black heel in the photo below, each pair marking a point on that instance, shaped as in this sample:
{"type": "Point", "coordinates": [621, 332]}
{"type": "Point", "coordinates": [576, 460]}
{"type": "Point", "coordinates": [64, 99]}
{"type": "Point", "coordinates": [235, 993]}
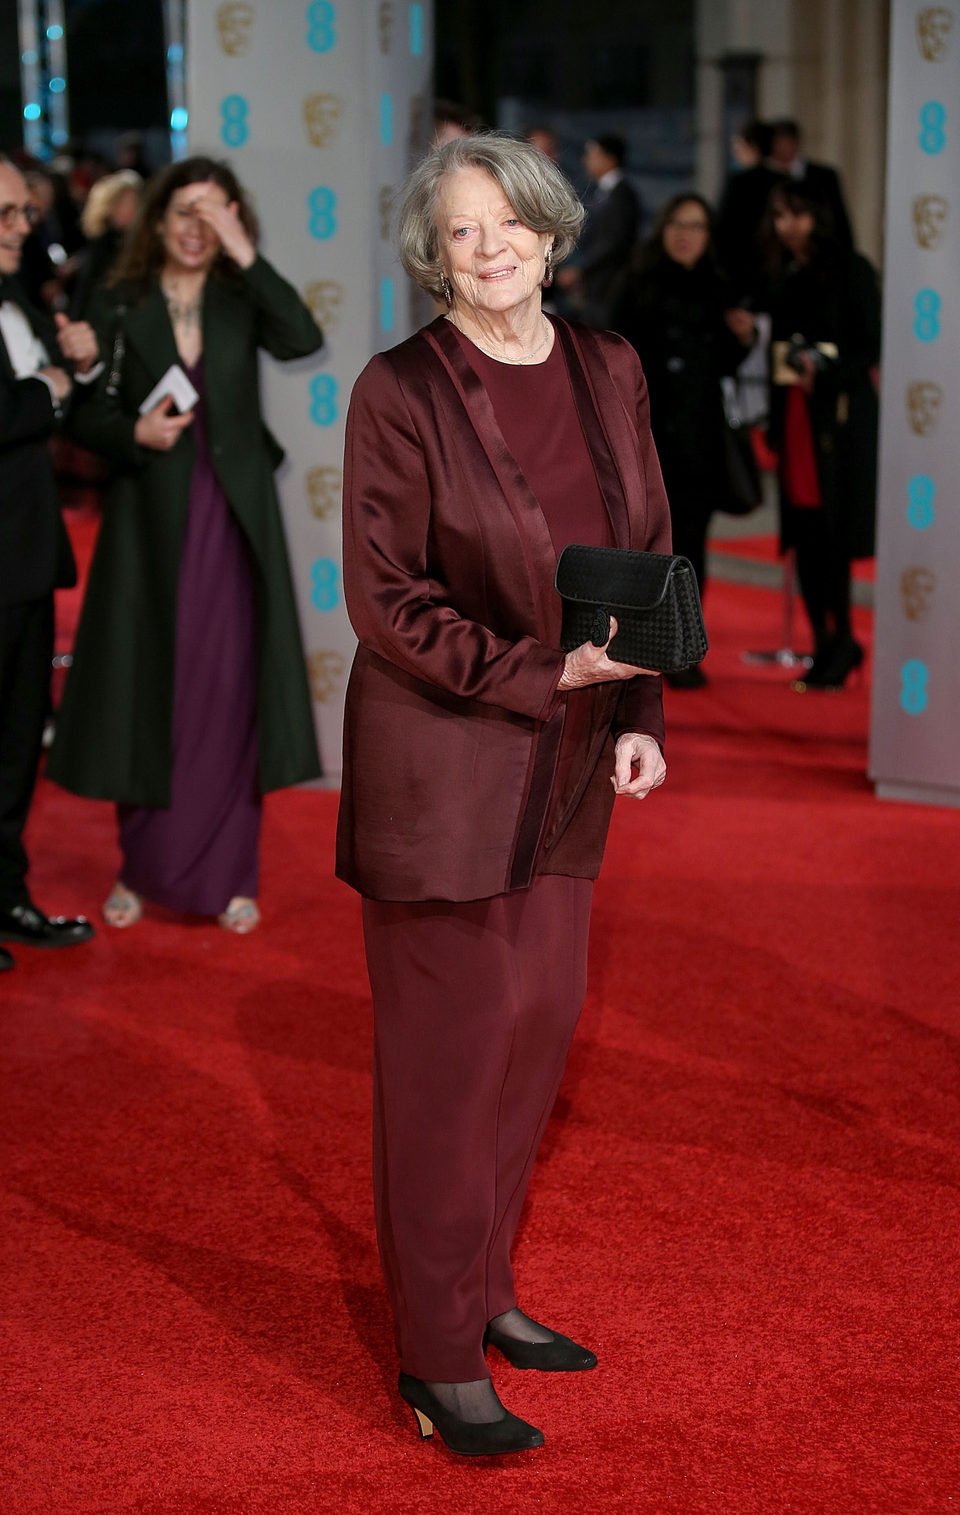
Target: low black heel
{"type": "Point", "coordinates": [561, 1355]}
{"type": "Point", "coordinates": [488, 1438]}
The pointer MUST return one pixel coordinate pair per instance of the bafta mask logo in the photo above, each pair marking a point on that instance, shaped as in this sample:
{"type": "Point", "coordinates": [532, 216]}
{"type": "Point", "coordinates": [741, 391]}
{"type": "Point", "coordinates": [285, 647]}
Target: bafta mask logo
{"type": "Point", "coordinates": [917, 588]}
{"type": "Point", "coordinates": [923, 408]}
{"type": "Point", "coordinates": [934, 25]}
{"type": "Point", "coordinates": [235, 27]}
{"type": "Point", "coordinates": [930, 219]}
{"type": "Point", "coordinates": [385, 203]}
{"type": "Point", "coordinates": [321, 118]}
{"type": "Point", "coordinates": [325, 669]}
{"type": "Point", "coordinates": [385, 24]}
{"type": "Point", "coordinates": [323, 486]}
{"type": "Point", "coordinates": [324, 298]}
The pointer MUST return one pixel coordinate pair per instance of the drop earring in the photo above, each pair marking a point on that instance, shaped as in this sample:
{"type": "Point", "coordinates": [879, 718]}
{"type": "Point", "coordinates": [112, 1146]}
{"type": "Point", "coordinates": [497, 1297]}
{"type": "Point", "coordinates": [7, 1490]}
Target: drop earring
{"type": "Point", "coordinates": [446, 289]}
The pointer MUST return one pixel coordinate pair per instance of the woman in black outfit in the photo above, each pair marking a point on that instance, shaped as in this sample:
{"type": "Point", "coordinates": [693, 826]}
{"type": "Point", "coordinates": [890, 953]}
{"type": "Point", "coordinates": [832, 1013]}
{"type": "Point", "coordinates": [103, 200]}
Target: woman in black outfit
{"type": "Point", "coordinates": [678, 315]}
{"type": "Point", "coordinates": [824, 302]}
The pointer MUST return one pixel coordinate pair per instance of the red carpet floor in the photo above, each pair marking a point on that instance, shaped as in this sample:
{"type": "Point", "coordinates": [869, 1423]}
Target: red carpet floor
{"type": "Point", "coordinates": [748, 1200]}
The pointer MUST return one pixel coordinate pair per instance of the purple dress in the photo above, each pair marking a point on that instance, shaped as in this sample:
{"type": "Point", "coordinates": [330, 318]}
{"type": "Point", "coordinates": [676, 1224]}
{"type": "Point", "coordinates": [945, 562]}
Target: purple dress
{"type": "Point", "coordinates": [203, 850]}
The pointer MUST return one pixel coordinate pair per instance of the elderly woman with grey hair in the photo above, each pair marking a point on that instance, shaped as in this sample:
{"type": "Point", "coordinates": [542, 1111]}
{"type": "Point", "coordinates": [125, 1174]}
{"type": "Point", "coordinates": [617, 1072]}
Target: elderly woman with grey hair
{"type": "Point", "coordinates": [480, 762]}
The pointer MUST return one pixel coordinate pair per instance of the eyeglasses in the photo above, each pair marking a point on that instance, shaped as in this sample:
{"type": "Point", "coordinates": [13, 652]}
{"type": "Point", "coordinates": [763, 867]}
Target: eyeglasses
{"type": "Point", "coordinates": [9, 214]}
{"type": "Point", "coordinates": [688, 225]}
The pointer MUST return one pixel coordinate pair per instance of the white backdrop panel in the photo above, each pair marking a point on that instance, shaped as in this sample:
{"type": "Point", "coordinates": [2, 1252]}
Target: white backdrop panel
{"type": "Point", "coordinates": [915, 742]}
{"type": "Point", "coordinates": [320, 108]}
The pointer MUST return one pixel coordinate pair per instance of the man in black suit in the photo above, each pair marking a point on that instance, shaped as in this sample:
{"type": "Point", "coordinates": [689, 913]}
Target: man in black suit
{"type": "Point", "coordinates": [35, 556]}
{"type": "Point", "coordinates": [595, 282]}
{"type": "Point", "coordinates": [742, 209]}
{"type": "Point", "coordinates": [819, 180]}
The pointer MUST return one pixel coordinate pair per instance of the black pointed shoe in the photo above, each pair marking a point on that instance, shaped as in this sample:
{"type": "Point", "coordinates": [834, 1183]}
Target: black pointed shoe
{"type": "Point", "coordinates": [29, 926]}
{"type": "Point", "coordinates": [561, 1355]}
{"type": "Point", "coordinates": [485, 1438]}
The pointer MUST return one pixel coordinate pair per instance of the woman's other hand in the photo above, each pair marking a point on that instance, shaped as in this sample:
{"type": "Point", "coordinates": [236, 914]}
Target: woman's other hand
{"type": "Point", "coordinates": [158, 429]}
{"type": "Point", "coordinates": [224, 221]}
{"type": "Point", "coordinates": [590, 665]}
{"type": "Point", "coordinates": [635, 750]}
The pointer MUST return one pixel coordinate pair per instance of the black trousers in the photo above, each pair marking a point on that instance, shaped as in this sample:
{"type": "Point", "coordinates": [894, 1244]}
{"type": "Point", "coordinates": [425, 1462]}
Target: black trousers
{"type": "Point", "coordinates": [26, 653]}
{"type": "Point", "coordinates": [823, 568]}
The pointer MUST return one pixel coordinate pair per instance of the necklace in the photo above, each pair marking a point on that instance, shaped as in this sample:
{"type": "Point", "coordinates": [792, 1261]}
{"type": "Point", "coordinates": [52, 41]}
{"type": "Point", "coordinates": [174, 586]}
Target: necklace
{"type": "Point", "coordinates": [183, 313]}
{"type": "Point", "coordinates": [526, 357]}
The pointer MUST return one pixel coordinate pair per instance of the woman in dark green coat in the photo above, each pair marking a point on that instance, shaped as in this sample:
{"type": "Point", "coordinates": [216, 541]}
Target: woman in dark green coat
{"type": "Point", "coordinates": [188, 697]}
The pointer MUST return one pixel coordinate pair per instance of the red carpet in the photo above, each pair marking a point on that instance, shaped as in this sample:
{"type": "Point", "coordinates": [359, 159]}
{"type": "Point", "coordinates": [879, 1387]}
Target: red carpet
{"type": "Point", "coordinates": [765, 549]}
{"type": "Point", "coordinates": [748, 1200]}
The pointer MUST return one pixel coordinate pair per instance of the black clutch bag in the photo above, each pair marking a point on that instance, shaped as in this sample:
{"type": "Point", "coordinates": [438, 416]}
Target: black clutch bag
{"type": "Point", "coordinates": [653, 595]}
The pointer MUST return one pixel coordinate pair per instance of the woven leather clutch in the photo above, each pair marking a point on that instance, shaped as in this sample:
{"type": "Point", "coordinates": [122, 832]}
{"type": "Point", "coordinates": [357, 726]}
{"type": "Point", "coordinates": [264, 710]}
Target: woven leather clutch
{"type": "Point", "coordinates": [653, 595]}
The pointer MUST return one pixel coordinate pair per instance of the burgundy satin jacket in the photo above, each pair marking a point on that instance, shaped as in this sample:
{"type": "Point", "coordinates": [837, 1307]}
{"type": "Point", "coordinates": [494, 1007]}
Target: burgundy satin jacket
{"type": "Point", "coordinates": [453, 720]}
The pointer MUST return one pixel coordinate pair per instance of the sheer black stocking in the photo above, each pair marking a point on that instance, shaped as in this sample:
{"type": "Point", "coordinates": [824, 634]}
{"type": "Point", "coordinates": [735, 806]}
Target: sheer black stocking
{"type": "Point", "coordinates": [476, 1402]}
{"type": "Point", "coordinates": [520, 1327]}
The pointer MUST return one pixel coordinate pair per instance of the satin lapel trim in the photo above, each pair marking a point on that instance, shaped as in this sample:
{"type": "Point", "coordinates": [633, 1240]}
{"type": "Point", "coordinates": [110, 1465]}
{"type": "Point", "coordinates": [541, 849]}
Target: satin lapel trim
{"type": "Point", "coordinates": [604, 423]}
{"type": "Point", "coordinates": [147, 327]}
{"type": "Point", "coordinates": [521, 500]}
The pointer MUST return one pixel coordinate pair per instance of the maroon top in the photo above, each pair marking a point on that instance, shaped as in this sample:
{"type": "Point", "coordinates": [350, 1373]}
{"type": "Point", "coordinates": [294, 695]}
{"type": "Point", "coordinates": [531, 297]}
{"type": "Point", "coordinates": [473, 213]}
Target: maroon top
{"type": "Point", "coordinates": [535, 410]}
{"type": "Point", "coordinates": [537, 413]}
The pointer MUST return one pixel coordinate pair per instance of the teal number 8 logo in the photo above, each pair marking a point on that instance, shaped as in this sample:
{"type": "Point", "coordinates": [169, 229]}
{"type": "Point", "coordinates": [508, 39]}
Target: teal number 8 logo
{"type": "Point", "coordinates": [920, 492]}
{"type": "Point", "coordinates": [933, 118]}
{"type": "Point", "coordinates": [323, 399]}
{"type": "Point", "coordinates": [926, 325]}
{"type": "Point", "coordinates": [233, 113]}
{"type": "Point", "coordinates": [322, 204]}
{"type": "Point", "coordinates": [321, 26]}
{"type": "Point", "coordinates": [914, 677]}
{"type": "Point", "coordinates": [325, 584]}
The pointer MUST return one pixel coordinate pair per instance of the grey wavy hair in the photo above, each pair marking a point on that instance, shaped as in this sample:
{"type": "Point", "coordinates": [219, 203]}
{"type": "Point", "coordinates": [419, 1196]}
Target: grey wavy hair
{"type": "Point", "coordinates": [534, 186]}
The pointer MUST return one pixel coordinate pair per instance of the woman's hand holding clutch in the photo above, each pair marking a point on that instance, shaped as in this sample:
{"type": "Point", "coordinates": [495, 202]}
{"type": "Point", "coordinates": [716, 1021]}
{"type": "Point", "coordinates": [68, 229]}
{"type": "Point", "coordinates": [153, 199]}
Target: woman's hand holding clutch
{"type": "Point", "coordinates": [589, 664]}
{"type": "Point", "coordinates": [642, 752]}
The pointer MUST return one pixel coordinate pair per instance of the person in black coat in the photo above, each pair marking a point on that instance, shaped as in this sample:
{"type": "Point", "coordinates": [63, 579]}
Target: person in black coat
{"type": "Point", "coordinates": [596, 282]}
{"type": "Point", "coordinates": [35, 556]}
{"type": "Point", "coordinates": [679, 315]}
{"type": "Point", "coordinates": [742, 208]}
{"type": "Point", "coordinates": [819, 181]}
{"type": "Point", "coordinates": [824, 302]}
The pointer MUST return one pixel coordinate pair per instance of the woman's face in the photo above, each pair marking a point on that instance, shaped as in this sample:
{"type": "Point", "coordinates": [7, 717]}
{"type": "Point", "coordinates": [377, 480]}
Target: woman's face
{"type": "Point", "coordinates": [494, 263]}
{"type": "Point", "coordinates": [189, 244]}
{"type": "Point", "coordinates": [794, 228]}
{"type": "Point", "coordinates": [687, 234]}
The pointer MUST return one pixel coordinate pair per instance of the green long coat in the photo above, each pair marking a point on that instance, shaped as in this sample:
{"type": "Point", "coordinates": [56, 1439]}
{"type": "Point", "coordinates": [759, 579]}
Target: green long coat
{"type": "Point", "coordinates": [114, 729]}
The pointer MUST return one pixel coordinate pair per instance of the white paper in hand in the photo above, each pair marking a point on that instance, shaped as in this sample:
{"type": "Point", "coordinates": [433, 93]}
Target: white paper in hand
{"type": "Point", "coordinates": [175, 384]}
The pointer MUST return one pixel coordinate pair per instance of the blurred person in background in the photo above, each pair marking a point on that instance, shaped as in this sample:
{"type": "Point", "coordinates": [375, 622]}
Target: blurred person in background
{"type": "Point", "coordinates": [110, 211]}
{"type": "Point", "coordinates": [187, 698]}
{"type": "Point", "coordinates": [43, 254]}
{"type": "Point", "coordinates": [820, 181]}
{"type": "Point", "coordinates": [595, 283]}
{"type": "Point", "coordinates": [451, 120]}
{"type": "Point", "coordinates": [39, 362]}
{"type": "Point", "coordinates": [545, 139]}
{"type": "Point", "coordinates": [679, 314]}
{"type": "Point", "coordinates": [824, 303]}
{"type": "Point", "coordinates": [742, 209]}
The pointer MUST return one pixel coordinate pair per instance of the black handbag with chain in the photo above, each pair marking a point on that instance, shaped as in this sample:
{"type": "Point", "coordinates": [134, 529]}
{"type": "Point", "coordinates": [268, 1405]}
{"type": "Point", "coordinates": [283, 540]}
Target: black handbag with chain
{"type": "Point", "coordinates": [653, 595]}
